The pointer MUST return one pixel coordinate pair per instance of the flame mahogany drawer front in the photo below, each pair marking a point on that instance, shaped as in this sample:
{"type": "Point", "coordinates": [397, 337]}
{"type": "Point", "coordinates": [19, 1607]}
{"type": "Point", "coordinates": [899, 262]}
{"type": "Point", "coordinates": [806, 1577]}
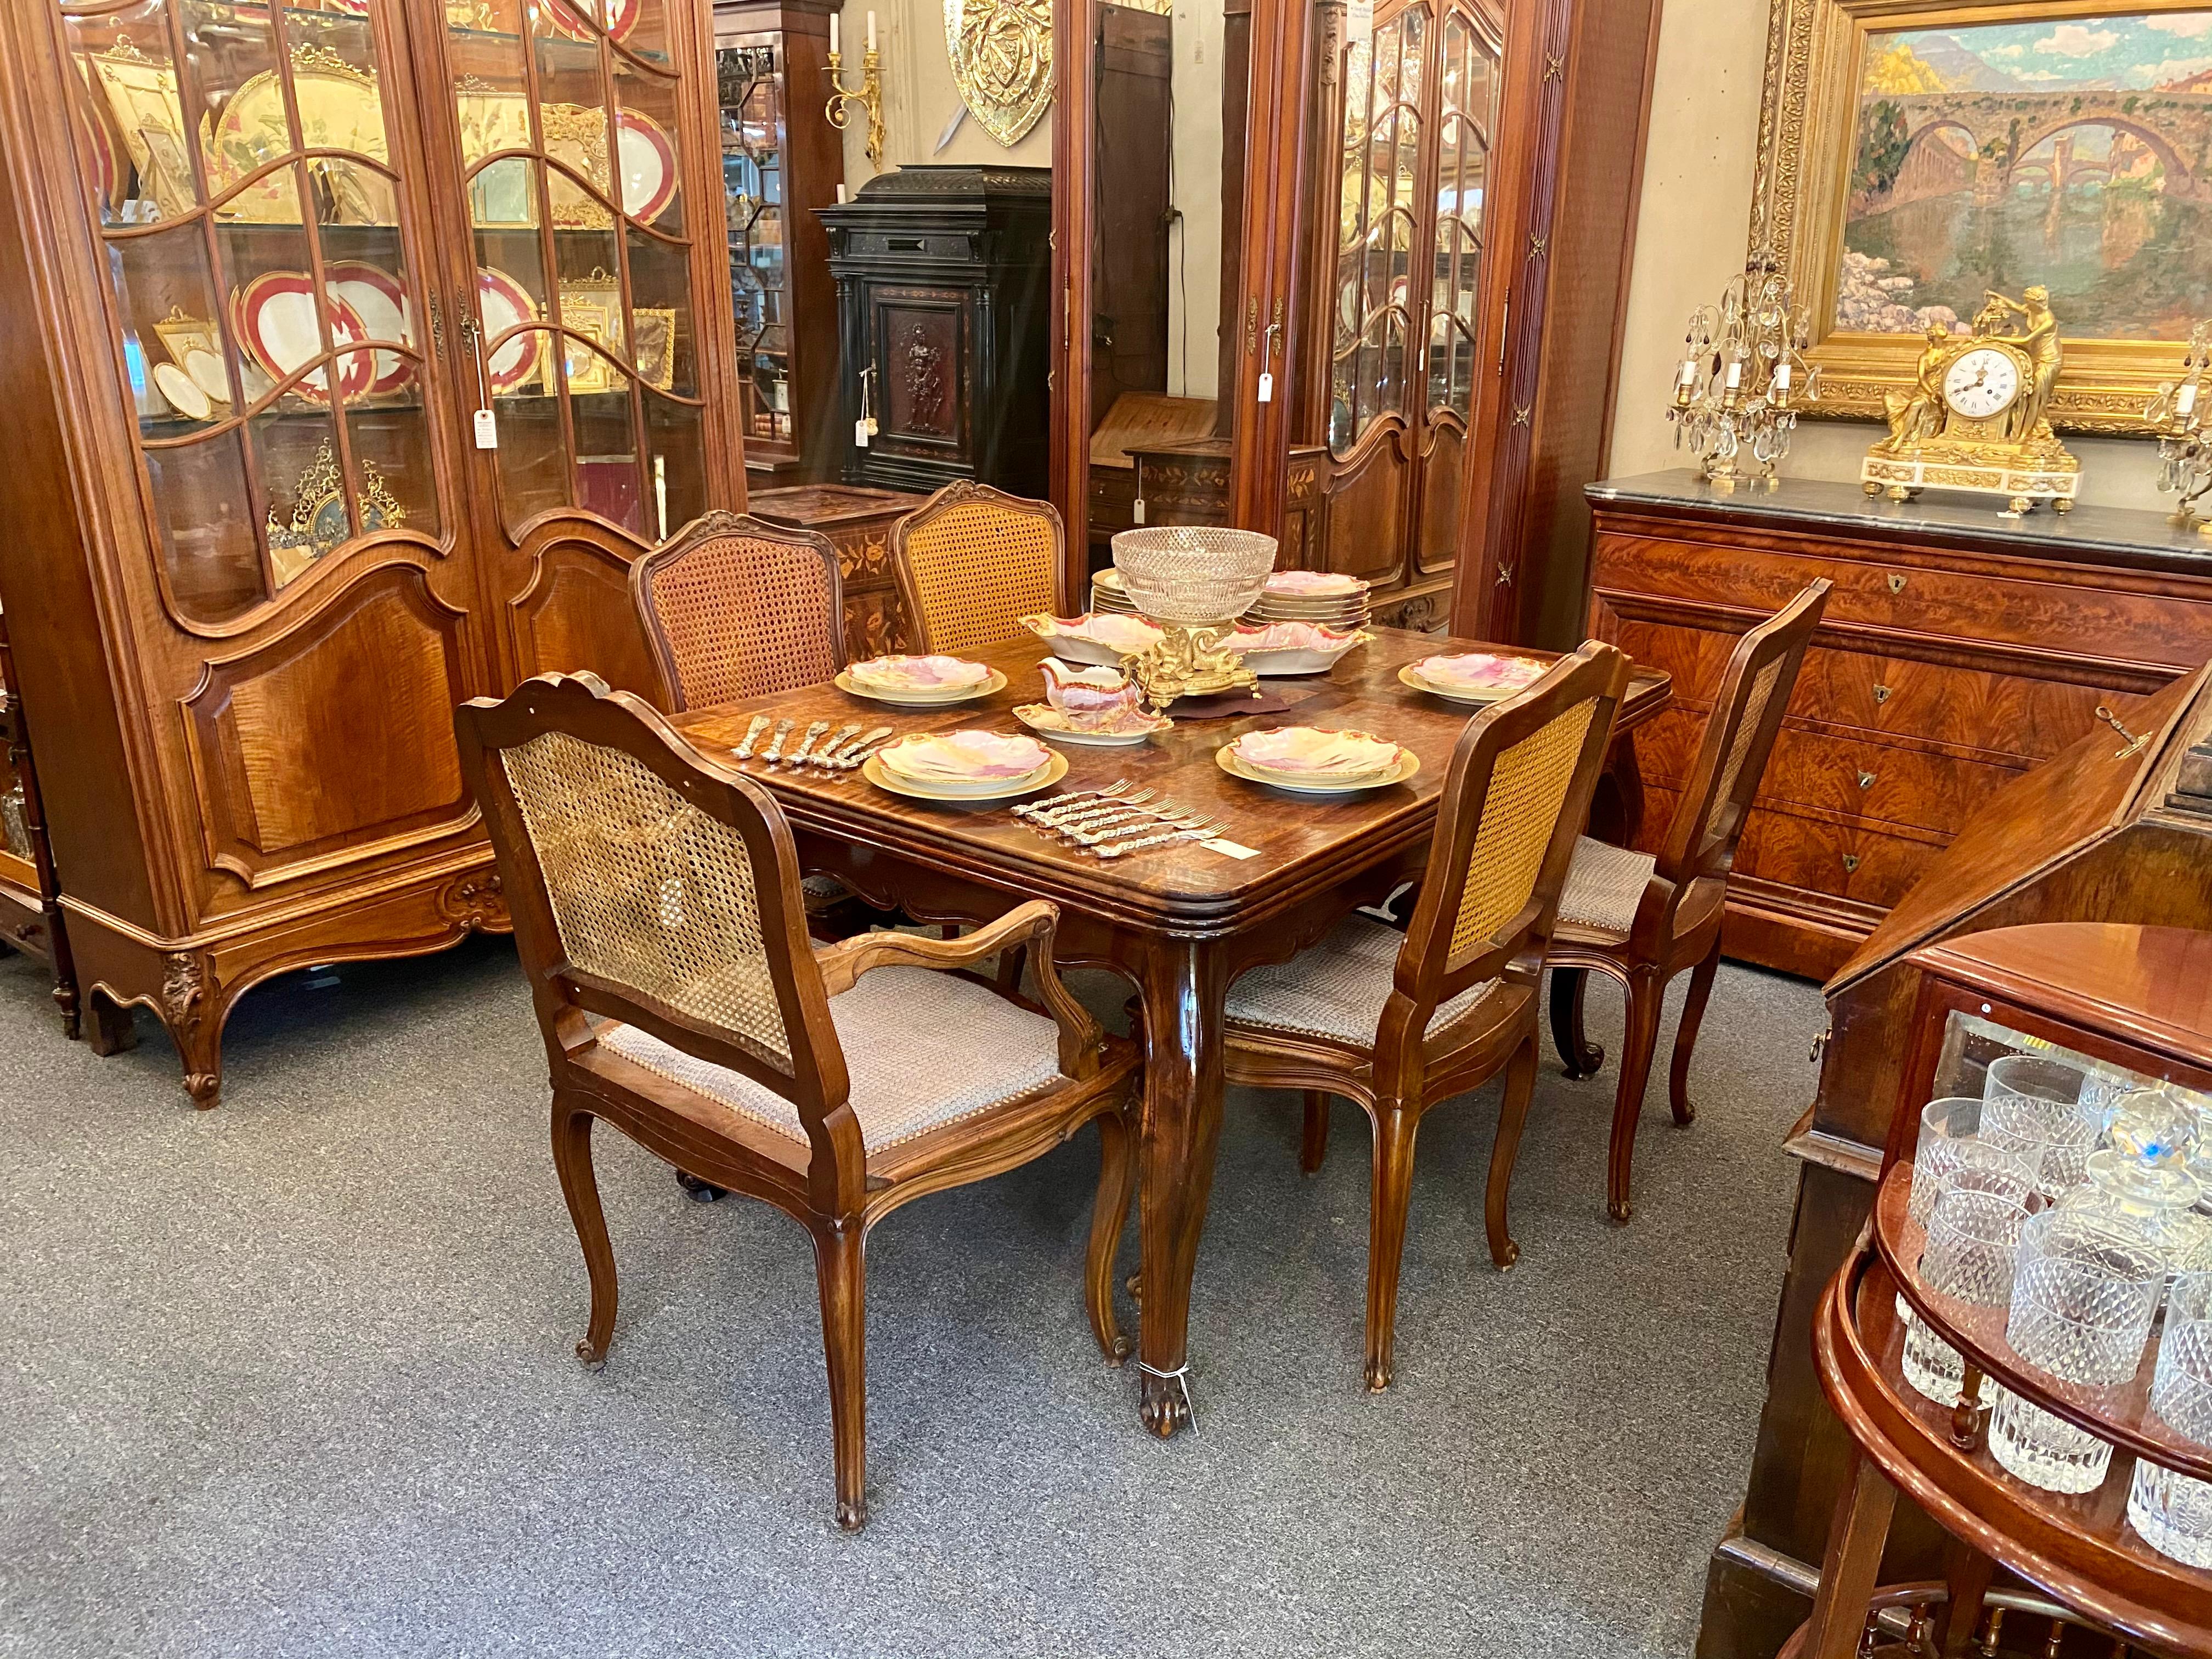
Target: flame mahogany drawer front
{"type": "Point", "coordinates": [1944, 670]}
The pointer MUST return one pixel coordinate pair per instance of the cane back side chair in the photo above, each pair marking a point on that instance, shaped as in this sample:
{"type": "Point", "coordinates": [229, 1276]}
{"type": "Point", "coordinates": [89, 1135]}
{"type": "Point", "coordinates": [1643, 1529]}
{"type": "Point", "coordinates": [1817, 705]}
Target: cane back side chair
{"type": "Point", "coordinates": [1399, 1024]}
{"type": "Point", "coordinates": [1641, 919]}
{"type": "Point", "coordinates": [734, 607]}
{"type": "Point", "coordinates": [657, 911]}
{"type": "Point", "coordinates": [971, 561]}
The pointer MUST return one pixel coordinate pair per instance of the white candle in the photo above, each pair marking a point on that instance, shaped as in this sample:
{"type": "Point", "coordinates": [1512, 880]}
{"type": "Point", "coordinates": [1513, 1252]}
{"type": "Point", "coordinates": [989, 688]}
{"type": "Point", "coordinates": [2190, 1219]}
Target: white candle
{"type": "Point", "coordinates": [1735, 376]}
{"type": "Point", "coordinates": [872, 31]}
{"type": "Point", "coordinates": [1689, 374]}
{"type": "Point", "coordinates": [2185, 400]}
{"type": "Point", "coordinates": [1782, 377]}
{"type": "Point", "coordinates": [833, 35]}
{"type": "Point", "coordinates": [840, 195]}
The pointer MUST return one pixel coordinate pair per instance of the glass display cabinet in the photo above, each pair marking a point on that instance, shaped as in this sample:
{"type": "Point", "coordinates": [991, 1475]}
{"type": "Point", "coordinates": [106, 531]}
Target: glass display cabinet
{"type": "Point", "coordinates": [2038, 1463]}
{"type": "Point", "coordinates": [780, 160]}
{"type": "Point", "coordinates": [358, 347]}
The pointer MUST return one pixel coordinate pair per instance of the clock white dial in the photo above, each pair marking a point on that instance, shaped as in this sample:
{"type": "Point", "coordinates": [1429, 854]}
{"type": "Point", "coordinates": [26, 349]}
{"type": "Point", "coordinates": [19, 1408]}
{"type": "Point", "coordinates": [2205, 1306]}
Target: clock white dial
{"type": "Point", "coordinates": [1982, 383]}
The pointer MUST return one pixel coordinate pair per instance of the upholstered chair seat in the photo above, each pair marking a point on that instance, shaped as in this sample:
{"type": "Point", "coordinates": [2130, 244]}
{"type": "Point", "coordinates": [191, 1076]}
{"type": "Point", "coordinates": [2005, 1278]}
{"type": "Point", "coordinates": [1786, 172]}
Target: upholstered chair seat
{"type": "Point", "coordinates": [1336, 989]}
{"type": "Point", "coordinates": [1605, 886]}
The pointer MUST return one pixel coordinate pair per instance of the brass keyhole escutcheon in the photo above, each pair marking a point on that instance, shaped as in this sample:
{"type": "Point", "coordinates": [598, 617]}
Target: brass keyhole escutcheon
{"type": "Point", "coordinates": [1896, 582]}
{"type": "Point", "coordinates": [1850, 862]}
{"type": "Point", "coordinates": [1881, 694]}
{"type": "Point", "coordinates": [1866, 779]}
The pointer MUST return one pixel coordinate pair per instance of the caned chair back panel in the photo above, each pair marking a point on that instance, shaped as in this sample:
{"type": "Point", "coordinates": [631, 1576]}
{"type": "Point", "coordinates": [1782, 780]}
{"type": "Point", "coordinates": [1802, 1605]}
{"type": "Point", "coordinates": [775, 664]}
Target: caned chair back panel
{"type": "Point", "coordinates": [972, 561]}
{"type": "Point", "coordinates": [1516, 796]}
{"type": "Point", "coordinates": [651, 886]}
{"type": "Point", "coordinates": [733, 608]}
{"type": "Point", "coordinates": [1740, 732]}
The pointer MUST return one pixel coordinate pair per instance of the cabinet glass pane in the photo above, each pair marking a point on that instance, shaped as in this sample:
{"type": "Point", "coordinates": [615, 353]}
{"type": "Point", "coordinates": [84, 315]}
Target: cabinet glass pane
{"type": "Point", "coordinates": [568, 111]}
{"type": "Point", "coordinates": [1469, 90]}
{"type": "Point", "coordinates": [752, 90]}
{"type": "Point", "coordinates": [239, 158]}
{"type": "Point", "coordinates": [1378, 228]}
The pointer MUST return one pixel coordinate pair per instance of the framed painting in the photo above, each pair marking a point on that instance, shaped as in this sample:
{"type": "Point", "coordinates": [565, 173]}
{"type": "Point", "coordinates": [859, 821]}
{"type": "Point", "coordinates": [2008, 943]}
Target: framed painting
{"type": "Point", "coordinates": [1914, 157]}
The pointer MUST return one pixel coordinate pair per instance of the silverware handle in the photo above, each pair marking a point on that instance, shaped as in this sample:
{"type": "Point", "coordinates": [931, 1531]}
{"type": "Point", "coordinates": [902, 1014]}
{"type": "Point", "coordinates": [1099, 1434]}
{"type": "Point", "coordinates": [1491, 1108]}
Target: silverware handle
{"type": "Point", "coordinates": [1115, 852]}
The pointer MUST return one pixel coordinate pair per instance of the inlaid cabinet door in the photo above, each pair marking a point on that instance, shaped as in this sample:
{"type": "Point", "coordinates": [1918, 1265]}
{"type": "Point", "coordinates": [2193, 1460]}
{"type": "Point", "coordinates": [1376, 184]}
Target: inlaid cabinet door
{"type": "Point", "coordinates": [254, 179]}
{"type": "Point", "coordinates": [592, 341]}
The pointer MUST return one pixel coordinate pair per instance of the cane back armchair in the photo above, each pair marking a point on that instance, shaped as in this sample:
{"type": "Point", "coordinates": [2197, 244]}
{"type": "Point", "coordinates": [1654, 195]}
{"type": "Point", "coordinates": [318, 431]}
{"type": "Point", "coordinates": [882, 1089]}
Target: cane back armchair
{"type": "Point", "coordinates": [734, 607]}
{"type": "Point", "coordinates": [1641, 919]}
{"type": "Point", "coordinates": [1399, 1024]}
{"type": "Point", "coordinates": [657, 911]}
{"type": "Point", "coordinates": [971, 561]}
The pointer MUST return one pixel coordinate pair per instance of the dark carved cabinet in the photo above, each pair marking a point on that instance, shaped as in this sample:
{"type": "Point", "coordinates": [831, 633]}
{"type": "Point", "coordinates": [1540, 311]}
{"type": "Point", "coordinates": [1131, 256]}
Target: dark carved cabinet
{"type": "Point", "coordinates": [942, 275]}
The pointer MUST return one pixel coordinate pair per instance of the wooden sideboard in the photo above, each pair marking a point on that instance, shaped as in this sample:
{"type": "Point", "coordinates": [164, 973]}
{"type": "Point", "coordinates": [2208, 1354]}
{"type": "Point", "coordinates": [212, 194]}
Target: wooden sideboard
{"type": "Point", "coordinates": [1959, 649]}
{"type": "Point", "coordinates": [859, 521]}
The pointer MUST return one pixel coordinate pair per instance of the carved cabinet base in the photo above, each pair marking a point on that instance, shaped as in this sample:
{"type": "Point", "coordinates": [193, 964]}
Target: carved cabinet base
{"type": "Point", "coordinates": [191, 984]}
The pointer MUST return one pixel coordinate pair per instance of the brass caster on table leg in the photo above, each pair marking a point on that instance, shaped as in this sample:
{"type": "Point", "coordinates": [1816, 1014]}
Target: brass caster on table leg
{"type": "Point", "coordinates": [851, 1518]}
{"type": "Point", "coordinates": [1378, 1377]}
{"type": "Point", "coordinates": [1620, 1213]}
{"type": "Point", "coordinates": [1164, 1399]}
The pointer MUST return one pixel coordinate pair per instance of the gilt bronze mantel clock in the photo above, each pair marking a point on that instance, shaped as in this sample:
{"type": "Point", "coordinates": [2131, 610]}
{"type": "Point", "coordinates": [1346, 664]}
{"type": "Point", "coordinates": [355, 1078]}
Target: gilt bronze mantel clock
{"type": "Point", "coordinates": [1977, 417]}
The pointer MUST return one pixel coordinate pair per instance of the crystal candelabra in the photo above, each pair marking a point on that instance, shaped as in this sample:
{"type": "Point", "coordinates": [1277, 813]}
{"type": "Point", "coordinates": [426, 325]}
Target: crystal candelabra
{"type": "Point", "coordinates": [2178, 414]}
{"type": "Point", "coordinates": [1742, 375]}
{"type": "Point", "coordinates": [869, 95]}
{"type": "Point", "coordinates": [1191, 582]}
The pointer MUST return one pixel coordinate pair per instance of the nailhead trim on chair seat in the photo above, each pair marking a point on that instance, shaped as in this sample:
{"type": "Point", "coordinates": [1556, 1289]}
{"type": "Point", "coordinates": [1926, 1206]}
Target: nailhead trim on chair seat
{"type": "Point", "coordinates": [1337, 988]}
{"type": "Point", "coordinates": [922, 1049]}
{"type": "Point", "coordinates": [1605, 883]}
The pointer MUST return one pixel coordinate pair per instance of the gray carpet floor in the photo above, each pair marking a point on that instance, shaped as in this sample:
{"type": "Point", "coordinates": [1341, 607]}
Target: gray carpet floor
{"type": "Point", "coordinates": [294, 1377]}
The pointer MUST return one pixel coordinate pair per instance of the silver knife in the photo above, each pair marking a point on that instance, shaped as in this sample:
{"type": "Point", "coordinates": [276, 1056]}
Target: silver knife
{"type": "Point", "coordinates": [829, 744]}
{"type": "Point", "coordinates": [744, 750]}
{"type": "Point", "coordinates": [775, 744]}
{"type": "Point", "coordinates": [807, 744]}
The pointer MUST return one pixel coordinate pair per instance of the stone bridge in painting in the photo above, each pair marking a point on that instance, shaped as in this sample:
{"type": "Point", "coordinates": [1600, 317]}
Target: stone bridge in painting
{"type": "Point", "coordinates": [1998, 131]}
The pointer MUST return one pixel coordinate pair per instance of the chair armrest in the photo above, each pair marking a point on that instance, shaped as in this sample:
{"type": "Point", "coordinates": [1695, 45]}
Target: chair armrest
{"type": "Point", "coordinates": [1032, 923]}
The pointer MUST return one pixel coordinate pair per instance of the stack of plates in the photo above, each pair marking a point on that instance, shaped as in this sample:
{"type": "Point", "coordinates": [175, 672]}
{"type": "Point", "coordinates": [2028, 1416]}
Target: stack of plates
{"type": "Point", "coordinates": [920, 681]}
{"type": "Point", "coordinates": [1475, 676]}
{"type": "Point", "coordinates": [1107, 595]}
{"type": "Point", "coordinates": [963, 765]}
{"type": "Point", "coordinates": [1312, 596]}
{"type": "Point", "coordinates": [1315, 761]}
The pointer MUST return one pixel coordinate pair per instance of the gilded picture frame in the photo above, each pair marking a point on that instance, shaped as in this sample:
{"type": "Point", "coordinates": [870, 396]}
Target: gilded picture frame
{"type": "Point", "coordinates": [1823, 82]}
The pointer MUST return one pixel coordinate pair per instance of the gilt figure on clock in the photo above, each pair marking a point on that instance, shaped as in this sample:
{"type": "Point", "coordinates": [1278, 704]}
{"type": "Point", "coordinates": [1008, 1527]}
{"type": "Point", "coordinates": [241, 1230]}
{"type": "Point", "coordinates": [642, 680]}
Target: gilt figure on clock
{"type": "Point", "coordinates": [1977, 417]}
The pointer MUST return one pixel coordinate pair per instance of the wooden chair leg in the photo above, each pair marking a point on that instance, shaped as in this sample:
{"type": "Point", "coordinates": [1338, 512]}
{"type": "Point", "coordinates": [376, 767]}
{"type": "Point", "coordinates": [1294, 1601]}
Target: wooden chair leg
{"type": "Point", "coordinates": [840, 1273]}
{"type": "Point", "coordinates": [1512, 1116]}
{"type": "Point", "coordinates": [1577, 1053]}
{"type": "Point", "coordinates": [1855, 1538]}
{"type": "Point", "coordinates": [1117, 1180]}
{"type": "Point", "coordinates": [572, 1161]}
{"type": "Point", "coordinates": [1647, 996]}
{"type": "Point", "coordinates": [1686, 1034]}
{"type": "Point", "coordinates": [1394, 1128]}
{"type": "Point", "coordinates": [1313, 1137]}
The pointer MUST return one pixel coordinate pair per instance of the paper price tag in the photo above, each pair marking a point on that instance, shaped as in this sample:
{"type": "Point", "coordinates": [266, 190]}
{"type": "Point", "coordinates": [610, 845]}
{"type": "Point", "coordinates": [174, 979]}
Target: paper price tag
{"type": "Point", "coordinates": [1137, 511]}
{"type": "Point", "coordinates": [1234, 849]}
{"type": "Point", "coordinates": [860, 435]}
{"type": "Point", "coordinates": [487, 429]}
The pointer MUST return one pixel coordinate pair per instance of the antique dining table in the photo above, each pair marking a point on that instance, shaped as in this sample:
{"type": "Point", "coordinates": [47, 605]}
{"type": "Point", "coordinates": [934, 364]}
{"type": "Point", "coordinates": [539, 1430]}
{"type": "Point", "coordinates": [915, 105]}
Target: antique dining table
{"type": "Point", "coordinates": [1181, 922]}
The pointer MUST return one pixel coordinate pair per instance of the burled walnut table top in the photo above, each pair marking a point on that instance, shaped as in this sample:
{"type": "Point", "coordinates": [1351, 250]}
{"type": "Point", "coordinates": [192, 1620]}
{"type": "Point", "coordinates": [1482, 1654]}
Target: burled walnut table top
{"type": "Point", "coordinates": [1303, 841]}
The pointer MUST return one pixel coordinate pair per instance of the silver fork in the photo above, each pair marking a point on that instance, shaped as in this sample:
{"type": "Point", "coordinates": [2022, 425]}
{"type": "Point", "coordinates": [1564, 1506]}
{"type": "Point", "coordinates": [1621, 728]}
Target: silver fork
{"type": "Point", "coordinates": [1095, 810]}
{"type": "Point", "coordinates": [855, 758]}
{"type": "Point", "coordinates": [1119, 848]}
{"type": "Point", "coordinates": [1088, 823]}
{"type": "Point", "coordinates": [775, 743]}
{"type": "Point", "coordinates": [807, 744]}
{"type": "Point", "coordinates": [836, 761]}
{"type": "Point", "coordinates": [1058, 803]}
{"type": "Point", "coordinates": [829, 744]}
{"type": "Point", "coordinates": [744, 751]}
{"type": "Point", "coordinates": [1123, 832]}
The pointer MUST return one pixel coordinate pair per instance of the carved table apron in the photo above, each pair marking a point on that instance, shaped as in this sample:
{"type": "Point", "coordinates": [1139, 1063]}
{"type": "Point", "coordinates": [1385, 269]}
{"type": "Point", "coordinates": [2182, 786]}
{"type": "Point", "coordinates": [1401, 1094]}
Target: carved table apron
{"type": "Point", "coordinates": [1179, 922]}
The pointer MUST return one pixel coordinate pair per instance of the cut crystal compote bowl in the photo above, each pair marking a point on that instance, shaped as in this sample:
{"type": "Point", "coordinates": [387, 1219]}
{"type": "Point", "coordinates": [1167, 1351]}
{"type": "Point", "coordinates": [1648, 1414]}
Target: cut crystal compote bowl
{"type": "Point", "coordinates": [1194, 580]}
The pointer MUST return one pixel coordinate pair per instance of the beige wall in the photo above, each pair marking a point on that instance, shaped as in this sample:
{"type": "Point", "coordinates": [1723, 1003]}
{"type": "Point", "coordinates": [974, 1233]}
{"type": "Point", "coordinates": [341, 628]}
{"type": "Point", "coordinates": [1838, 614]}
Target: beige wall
{"type": "Point", "coordinates": [919, 95]}
{"type": "Point", "coordinates": [1690, 236]}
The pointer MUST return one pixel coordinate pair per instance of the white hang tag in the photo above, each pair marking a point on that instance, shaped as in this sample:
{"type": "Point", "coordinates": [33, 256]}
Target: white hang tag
{"type": "Point", "coordinates": [1234, 849]}
{"type": "Point", "coordinates": [487, 429]}
{"type": "Point", "coordinates": [1137, 511]}
{"type": "Point", "coordinates": [860, 435]}
{"type": "Point", "coordinates": [1266, 388]}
